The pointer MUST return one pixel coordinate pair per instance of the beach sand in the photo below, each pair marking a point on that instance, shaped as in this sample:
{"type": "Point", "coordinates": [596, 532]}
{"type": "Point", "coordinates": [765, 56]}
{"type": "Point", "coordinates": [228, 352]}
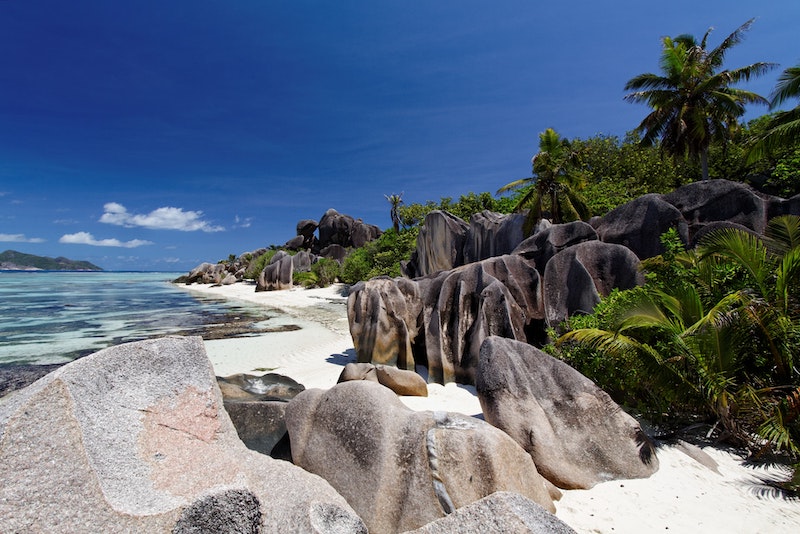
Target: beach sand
{"type": "Point", "coordinates": [695, 490]}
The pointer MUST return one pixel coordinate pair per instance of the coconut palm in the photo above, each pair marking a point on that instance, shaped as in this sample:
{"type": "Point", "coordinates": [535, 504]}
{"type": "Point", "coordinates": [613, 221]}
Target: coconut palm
{"type": "Point", "coordinates": [693, 103]}
{"type": "Point", "coordinates": [395, 201]}
{"type": "Point", "coordinates": [783, 130]}
{"type": "Point", "coordinates": [555, 181]}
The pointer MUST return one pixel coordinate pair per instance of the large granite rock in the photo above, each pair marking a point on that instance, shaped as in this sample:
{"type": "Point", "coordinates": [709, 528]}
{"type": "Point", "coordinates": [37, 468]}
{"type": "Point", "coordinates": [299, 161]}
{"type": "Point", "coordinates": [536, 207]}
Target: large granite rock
{"type": "Point", "coordinates": [384, 316]}
{"type": "Point", "coordinates": [206, 273]}
{"type": "Point", "coordinates": [401, 469]}
{"type": "Point", "coordinates": [576, 435]}
{"type": "Point", "coordinates": [498, 296]}
{"type": "Point", "coordinates": [338, 229]}
{"type": "Point", "coordinates": [639, 224]}
{"type": "Point", "coordinates": [719, 200]}
{"type": "Point", "coordinates": [576, 278]}
{"type": "Point", "coordinates": [440, 321]}
{"type": "Point", "coordinates": [135, 438]}
{"type": "Point", "coordinates": [277, 274]}
{"type": "Point", "coordinates": [493, 234]}
{"type": "Point", "coordinates": [440, 244]}
{"type": "Point", "coordinates": [502, 512]}
{"type": "Point", "coordinates": [256, 406]}
{"type": "Point", "coordinates": [551, 240]}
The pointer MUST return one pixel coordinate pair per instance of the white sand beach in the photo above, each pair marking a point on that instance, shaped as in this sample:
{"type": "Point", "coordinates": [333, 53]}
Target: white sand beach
{"type": "Point", "coordinates": [708, 490]}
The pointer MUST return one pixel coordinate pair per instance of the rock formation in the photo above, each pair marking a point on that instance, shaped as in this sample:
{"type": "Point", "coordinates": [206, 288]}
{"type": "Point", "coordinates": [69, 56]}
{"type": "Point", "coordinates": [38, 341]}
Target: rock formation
{"type": "Point", "coordinates": [256, 406]}
{"type": "Point", "coordinates": [400, 469]}
{"type": "Point", "coordinates": [400, 381]}
{"type": "Point", "coordinates": [576, 435]}
{"type": "Point", "coordinates": [576, 278]}
{"type": "Point", "coordinates": [148, 449]}
{"type": "Point", "coordinates": [501, 512]}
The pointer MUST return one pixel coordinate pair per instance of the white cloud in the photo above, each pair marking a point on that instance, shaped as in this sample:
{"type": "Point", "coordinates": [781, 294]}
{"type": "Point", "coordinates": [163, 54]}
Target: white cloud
{"type": "Point", "coordinates": [85, 238]}
{"type": "Point", "coordinates": [20, 238]}
{"type": "Point", "coordinates": [166, 218]}
{"type": "Point", "coordinates": [242, 223]}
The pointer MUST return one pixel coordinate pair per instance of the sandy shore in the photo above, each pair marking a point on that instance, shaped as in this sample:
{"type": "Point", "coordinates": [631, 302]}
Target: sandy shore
{"type": "Point", "coordinates": [708, 490]}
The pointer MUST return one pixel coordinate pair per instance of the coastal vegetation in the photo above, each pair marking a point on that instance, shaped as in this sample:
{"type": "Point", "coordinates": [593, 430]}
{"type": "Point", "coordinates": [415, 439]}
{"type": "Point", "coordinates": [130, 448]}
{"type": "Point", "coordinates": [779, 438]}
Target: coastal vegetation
{"type": "Point", "coordinates": [16, 261]}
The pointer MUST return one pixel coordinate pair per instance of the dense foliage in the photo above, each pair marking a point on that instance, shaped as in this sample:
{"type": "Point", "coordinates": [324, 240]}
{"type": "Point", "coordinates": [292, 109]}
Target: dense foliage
{"type": "Point", "coordinates": [714, 333]}
{"type": "Point", "coordinates": [381, 257]}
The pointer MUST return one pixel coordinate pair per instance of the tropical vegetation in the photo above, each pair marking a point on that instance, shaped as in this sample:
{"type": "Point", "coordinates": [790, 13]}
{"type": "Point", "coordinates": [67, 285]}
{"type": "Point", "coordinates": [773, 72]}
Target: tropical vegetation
{"type": "Point", "coordinates": [713, 335]}
{"type": "Point", "coordinates": [693, 102]}
{"type": "Point", "coordinates": [556, 182]}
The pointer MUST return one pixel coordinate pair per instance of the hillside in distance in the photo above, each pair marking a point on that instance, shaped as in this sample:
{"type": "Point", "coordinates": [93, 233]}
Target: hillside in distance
{"type": "Point", "coordinates": [11, 260]}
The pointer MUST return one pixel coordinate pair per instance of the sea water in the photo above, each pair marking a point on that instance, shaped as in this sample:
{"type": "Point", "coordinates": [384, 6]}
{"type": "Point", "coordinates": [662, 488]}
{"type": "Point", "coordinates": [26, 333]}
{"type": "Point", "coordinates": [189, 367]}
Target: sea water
{"type": "Point", "coordinates": [55, 317]}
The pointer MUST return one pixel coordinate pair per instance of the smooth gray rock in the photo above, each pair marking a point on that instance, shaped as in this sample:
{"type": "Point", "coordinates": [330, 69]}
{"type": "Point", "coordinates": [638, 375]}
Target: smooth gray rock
{"type": "Point", "coordinates": [401, 469]}
{"type": "Point", "coordinates": [502, 512]}
{"type": "Point", "coordinates": [639, 224]}
{"type": "Point", "coordinates": [135, 438]}
{"type": "Point", "coordinates": [498, 296]}
{"type": "Point", "coordinates": [384, 316]}
{"type": "Point", "coordinates": [548, 242]}
{"type": "Point", "coordinates": [576, 435]}
{"type": "Point", "coordinates": [296, 243]}
{"type": "Point", "coordinates": [720, 200]}
{"type": "Point", "coordinates": [362, 233]}
{"type": "Point", "coordinates": [576, 278]}
{"type": "Point", "coordinates": [277, 275]}
{"type": "Point", "coordinates": [334, 252]}
{"type": "Point", "coordinates": [493, 234]}
{"type": "Point", "coordinates": [440, 243]}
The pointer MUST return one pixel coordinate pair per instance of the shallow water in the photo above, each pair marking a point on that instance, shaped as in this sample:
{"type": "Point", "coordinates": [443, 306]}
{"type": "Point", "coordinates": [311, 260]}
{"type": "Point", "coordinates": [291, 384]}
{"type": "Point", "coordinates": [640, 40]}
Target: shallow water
{"type": "Point", "coordinates": [56, 317]}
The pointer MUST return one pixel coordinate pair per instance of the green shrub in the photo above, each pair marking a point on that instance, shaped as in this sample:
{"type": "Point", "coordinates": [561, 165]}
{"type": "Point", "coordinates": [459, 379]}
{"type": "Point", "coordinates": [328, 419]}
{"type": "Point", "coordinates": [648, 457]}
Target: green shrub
{"type": "Point", "coordinates": [257, 265]}
{"type": "Point", "coordinates": [326, 271]}
{"type": "Point", "coordinates": [381, 257]}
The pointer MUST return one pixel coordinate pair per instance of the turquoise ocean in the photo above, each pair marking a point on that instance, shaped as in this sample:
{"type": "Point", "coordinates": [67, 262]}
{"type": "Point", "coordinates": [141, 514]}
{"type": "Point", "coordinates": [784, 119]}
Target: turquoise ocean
{"type": "Point", "coordinates": [55, 317]}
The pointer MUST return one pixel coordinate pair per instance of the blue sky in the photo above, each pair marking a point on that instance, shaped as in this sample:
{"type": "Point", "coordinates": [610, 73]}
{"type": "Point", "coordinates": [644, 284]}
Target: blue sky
{"type": "Point", "coordinates": [154, 135]}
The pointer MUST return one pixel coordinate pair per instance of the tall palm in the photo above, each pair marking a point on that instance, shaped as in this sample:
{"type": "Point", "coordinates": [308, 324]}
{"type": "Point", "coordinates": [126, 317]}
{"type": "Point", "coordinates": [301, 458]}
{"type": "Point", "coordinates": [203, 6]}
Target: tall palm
{"type": "Point", "coordinates": [395, 201]}
{"type": "Point", "coordinates": [693, 103]}
{"type": "Point", "coordinates": [783, 130]}
{"type": "Point", "coordinates": [555, 180]}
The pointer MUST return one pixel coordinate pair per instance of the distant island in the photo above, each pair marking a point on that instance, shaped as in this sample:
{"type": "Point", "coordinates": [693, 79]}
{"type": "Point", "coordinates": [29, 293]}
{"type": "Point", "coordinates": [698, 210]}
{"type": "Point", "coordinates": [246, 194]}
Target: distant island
{"type": "Point", "coordinates": [11, 260]}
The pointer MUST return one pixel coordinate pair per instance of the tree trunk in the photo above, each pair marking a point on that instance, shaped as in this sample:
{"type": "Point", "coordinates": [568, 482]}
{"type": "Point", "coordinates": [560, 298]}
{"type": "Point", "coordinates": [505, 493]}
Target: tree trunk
{"type": "Point", "coordinates": [704, 163]}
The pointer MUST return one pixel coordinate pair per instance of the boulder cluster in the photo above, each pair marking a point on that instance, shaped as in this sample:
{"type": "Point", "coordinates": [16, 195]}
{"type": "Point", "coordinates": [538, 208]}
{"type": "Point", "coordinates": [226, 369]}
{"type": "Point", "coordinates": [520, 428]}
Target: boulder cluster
{"type": "Point", "coordinates": [88, 448]}
{"type": "Point", "coordinates": [143, 436]}
{"type": "Point", "coordinates": [467, 282]}
{"type": "Point", "coordinates": [332, 237]}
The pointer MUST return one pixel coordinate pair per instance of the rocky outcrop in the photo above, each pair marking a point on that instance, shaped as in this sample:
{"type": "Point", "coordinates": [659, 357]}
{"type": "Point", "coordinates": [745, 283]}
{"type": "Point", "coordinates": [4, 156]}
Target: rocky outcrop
{"type": "Point", "coordinates": [576, 278]}
{"type": "Point", "coordinates": [206, 273]}
{"type": "Point", "coordinates": [385, 321]}
{"type": "Point", "coordinates": [256, 406]}
{"type": "Point", "coordinates": [493, 234]}
{"type": "Point", "coordinates": [441, 321]}
{"type": "Point", "coordinates": [495, 297]}
{"type": "Point", "coordinates": [337, 229]}
{"type": "Point", "coordinates": [576, 435]}
{"type": "Point", "coordinates": [502, 512]}
{"type": "Point", "coordinates": [719, 200]}
{"type": "Point", "coordinates": [440, 244]}
{"type": "Point", "coordinates": [401, 469]}
{"type": "Point", "coordinates": [149, 449]}
{"type": "Point", "coordinates": [545, 244]}
{"type": "Point", "coordinates": [277, 274]}
{"type": "Point", "coordinates": [639, 224]}
{"type": "Point", "coordinates": [400, 381]}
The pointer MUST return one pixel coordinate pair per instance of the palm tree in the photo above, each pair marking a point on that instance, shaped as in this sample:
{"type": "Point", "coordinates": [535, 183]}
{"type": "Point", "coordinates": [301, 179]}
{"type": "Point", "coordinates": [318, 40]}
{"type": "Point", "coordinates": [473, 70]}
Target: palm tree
{"type": "Point", "coordinates": [783, 130]}
{"type": "Point", "coordinates": [693, 103]}
{"type": "Point", "coordinates": [736, 350]}
{"type": "Point", "coordinates": [395, 201]}
{"type": "Point", "coordinates": [555, 181]}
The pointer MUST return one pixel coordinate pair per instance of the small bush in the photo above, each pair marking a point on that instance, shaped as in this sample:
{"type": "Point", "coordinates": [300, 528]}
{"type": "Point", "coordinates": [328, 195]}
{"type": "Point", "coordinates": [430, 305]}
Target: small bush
{"type": "Point", "coordinates": [257, 265]}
